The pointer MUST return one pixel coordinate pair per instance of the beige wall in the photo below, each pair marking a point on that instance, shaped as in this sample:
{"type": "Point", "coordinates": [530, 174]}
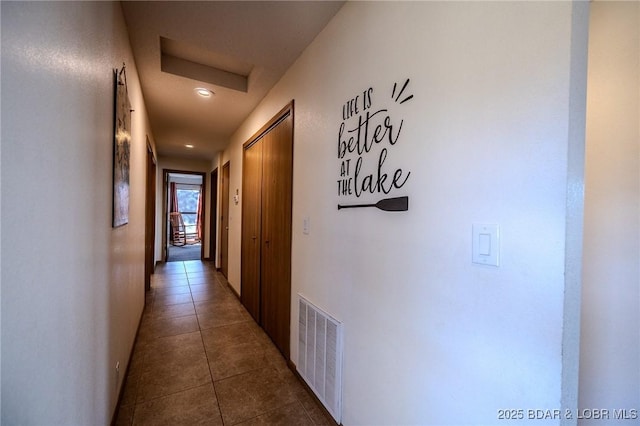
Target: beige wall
{"type": "Point", "coordinates": [233, 155]}
{"type": "Point", "coordinates": [72, 286]}
{"type": "Point", "coordinates": [431, 338]}
{"type": "Point", "coordinates": [610, 341]}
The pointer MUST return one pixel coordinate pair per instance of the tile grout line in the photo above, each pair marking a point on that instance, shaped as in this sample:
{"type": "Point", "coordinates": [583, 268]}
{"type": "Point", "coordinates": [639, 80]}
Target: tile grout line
{"type": "Point", "coordinates": [206, 354]}
{"type": "Point", "coordinates": [204, 347]}
{"type": "Point", "coordinates": [213, 383]}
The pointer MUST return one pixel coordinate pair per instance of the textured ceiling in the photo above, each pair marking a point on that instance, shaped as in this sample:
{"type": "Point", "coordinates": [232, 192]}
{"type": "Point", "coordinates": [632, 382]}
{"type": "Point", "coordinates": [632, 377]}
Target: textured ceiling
{"type": "Point", "coordinates": [236, 49]}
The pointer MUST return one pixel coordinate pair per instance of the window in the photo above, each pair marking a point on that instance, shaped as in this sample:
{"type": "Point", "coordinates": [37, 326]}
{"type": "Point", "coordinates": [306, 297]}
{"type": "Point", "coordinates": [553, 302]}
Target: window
{"type": "Point", "coordinates": [188, 205]}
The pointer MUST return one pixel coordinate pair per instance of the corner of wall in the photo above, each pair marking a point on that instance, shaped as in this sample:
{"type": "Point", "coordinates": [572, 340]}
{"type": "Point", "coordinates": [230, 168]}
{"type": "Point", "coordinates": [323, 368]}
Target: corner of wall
{"type": "Point", "coordinates": [575, 208]}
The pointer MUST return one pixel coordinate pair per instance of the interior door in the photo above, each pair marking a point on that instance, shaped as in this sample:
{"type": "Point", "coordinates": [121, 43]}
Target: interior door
{"type": "Point", "coordinates": [150, 218]}
{"type": "Point", "coordinates": [224, 222]}
{"type": "Point", "coordinates": [277, 183]}
{"type": "Point", "coordinates": [213, 223]}
{"type": "Point", "coordinates": [251, 228]}
{"type": "Point", "coordinates": [266, 227]}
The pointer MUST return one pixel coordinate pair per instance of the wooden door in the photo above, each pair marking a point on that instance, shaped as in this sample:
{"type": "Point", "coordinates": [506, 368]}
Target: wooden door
{"type": "Point", "coordinates": [213, 223]}
{"type": "Point", "coordinates": [251, 228]}
{"type": "Point", "coordinates": [150, 218]}
{"type": "Point", "coordinates": [277, 184]}
{"type": "Point", "coordinates": [224, 222]}
{"type": "Point", "coordinates": [266, 227]}
{"type": "Point", "coordinates": [203, 192]}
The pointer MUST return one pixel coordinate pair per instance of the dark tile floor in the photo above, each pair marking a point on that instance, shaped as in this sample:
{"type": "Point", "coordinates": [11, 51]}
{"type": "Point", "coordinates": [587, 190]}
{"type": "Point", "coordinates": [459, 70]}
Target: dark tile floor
{"type": "Point", "coordinates": [200, 359]}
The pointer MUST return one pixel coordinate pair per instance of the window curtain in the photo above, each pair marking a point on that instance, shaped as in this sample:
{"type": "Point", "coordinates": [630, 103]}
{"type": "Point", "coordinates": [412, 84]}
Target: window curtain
{"type": "Point", "coordinates": [173, 205]}
{"type": "Point", "coordinates": [199, 215]}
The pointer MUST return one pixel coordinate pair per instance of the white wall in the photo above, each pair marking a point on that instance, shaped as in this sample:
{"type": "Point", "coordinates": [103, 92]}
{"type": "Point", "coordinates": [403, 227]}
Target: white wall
{"type": "Point", "coordinates": [233, 155]}
{"type": "Point", "coordinates": [72, 287]}
{"type": "Point", "coordinates": [431, 338]}
{"type": "Point", "coordinates": [610, 341]}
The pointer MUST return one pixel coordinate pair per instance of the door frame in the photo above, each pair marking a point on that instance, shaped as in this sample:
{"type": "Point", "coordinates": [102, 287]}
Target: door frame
{"type": "Point", "coordinates": [213, 215]}
{"type": "Point", "coordinates": [224, 219]}
{"type": "Point", "coordinates": [150, 217]}
{"type": "Point", "coordinates": [165, 210]}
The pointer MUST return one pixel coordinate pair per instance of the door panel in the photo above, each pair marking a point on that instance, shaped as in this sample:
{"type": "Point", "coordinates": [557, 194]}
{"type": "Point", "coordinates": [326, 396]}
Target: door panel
{"type": "Point", "coordinates": [213, 223]}
{"type": "Point", "coordinates": [251, 228]}
{"type": "Point", "coordinates": [224, 223]}
{"type": "Point", "coordinates": [266, 227]}
{"type": "Point", "coordinates": [276, 233]}
{"type": "Point", "coordinates": [150, 218]}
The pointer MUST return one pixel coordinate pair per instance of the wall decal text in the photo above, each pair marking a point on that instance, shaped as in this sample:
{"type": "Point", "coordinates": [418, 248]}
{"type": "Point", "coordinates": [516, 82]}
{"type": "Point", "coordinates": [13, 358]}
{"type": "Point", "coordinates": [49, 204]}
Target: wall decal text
{"type": "Point", "coordinates": [367, 136]}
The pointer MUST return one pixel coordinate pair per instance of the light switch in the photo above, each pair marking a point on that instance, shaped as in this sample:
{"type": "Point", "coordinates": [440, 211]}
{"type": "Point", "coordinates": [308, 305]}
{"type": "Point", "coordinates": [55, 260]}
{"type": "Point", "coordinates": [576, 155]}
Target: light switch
{"type": "Point", "coordinates": [306, 225]}
{"type": "Point", "coordinates": [485, 244]}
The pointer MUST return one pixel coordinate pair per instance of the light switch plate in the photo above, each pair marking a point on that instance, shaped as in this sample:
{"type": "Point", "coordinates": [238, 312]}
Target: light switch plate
{"type": "Point", "coordinates": [486, 244]}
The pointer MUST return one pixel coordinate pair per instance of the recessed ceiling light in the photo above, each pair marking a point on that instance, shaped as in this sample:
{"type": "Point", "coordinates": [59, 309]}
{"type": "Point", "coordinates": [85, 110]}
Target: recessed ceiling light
{"type": "Point", "coordinates": [189, 146]}
{"type": "Point", "coordinates": [205, 93]}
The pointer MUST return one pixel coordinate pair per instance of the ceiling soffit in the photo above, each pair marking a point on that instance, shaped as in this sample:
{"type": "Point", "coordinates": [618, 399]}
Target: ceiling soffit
{"type": "Point", "coordinates": [237, 50]}
{"type": "Point", "coordinates": [190, 61]}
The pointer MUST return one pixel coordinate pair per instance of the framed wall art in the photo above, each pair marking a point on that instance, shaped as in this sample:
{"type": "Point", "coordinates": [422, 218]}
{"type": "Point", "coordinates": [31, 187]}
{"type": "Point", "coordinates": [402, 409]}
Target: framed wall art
{"type": "Point", "coordinates": [121, 149]}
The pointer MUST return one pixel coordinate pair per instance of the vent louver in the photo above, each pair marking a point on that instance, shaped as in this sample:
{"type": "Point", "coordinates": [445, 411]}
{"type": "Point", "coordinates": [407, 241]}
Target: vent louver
{"type": "Point", "coordinates": [320, 355]}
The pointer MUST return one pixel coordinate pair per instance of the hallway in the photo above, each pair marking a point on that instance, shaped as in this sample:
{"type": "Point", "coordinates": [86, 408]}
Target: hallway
{"type": "Point", "coordinates": [201, 359]}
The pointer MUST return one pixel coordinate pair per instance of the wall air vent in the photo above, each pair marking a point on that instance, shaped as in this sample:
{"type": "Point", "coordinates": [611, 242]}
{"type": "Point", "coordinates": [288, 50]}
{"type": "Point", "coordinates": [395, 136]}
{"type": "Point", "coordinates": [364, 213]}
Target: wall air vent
{"type": "Point", "coordinates": [320, 355]}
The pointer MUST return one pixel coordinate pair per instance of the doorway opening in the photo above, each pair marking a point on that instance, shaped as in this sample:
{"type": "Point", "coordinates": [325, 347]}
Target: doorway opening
{"type": "Point", "coordinates": [185, 204]}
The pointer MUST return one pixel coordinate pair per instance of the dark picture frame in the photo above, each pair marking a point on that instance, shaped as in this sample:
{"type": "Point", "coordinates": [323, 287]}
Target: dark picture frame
{"type": "Point", "coordinates": [121, 149]}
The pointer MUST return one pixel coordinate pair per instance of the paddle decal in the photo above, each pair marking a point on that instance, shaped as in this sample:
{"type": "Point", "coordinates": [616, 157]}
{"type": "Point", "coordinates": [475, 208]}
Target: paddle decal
{"type": "Point", "coordinates": [367, 136]}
